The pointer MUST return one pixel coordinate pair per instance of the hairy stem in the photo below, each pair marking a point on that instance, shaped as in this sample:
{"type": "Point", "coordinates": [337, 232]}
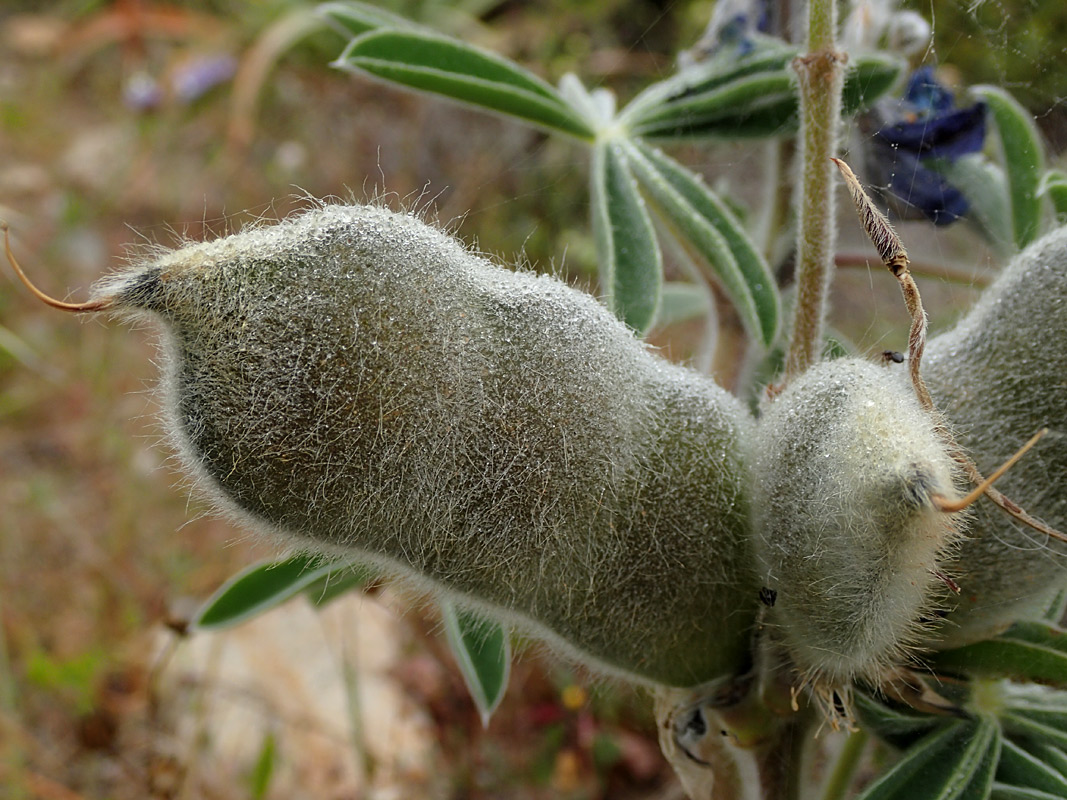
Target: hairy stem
{"type": "Point", "coordinates": [820, 76]}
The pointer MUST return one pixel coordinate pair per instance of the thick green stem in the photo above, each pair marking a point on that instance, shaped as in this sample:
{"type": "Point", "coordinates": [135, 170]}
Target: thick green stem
{"type": "Point", "coordinates": [820, 76]}
{"type": "Point", "coordinates": [845, 766]}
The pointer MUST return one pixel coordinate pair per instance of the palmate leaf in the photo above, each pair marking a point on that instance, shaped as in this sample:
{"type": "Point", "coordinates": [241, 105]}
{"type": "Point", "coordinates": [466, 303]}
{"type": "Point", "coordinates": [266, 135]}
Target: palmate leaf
{"type": "Point", "coordinates": [954, 762]}
{"type": "Point", "coordinates": [433, 63]}
{"type": "Point", "coordinates": [1027, 651]}
{"type": "Point", "coordinates": [630, 262]}
{"type": "Point", "coordinates": [699, 218]}
{"type": "Point", "coordinates": [483, 651]}
{"type": "Point", "coordinates": [264, 586]}
{"type": "Point", "coordinates": [1023, 160]}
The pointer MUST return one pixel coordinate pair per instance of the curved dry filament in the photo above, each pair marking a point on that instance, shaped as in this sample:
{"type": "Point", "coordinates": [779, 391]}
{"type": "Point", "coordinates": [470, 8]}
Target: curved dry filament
{"type": "Point", "coordinates": [91, 305]}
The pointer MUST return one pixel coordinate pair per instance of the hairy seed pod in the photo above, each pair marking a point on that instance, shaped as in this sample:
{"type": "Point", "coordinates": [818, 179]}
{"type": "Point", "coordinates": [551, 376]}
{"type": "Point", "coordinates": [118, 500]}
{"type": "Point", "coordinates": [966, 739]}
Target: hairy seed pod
{"type": "Point", "coordinates": [355, 380]}
{"type": "Point", "coordinates": [999, 376]}
{"type": "Point", "coordinates": [847, 468]}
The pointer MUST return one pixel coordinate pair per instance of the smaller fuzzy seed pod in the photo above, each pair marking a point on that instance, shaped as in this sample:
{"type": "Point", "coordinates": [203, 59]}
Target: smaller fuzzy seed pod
{"type": "Point", "coordinates": [359, 383]}
{"type": "Point", "coordinates": [847, 467]}
{"type": "Point", "coordinates": [999, 376]}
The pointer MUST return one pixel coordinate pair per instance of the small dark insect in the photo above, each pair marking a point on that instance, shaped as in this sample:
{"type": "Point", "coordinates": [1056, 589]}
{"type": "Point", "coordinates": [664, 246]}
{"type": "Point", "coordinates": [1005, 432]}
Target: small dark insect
{"type": "Point", "coordinates": [768, 596]}
{"type": "Point", "coordinates": [892, 355]}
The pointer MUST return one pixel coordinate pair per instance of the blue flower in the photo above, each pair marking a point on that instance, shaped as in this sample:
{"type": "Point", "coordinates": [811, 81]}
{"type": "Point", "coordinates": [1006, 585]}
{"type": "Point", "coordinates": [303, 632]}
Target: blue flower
{"type": "Point", "coordinates": [924, 127]}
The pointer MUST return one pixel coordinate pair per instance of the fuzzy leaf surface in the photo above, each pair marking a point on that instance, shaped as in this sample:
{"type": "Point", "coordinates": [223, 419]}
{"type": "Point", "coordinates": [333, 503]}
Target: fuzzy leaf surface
{"type": "Point", "coordinates": [437, 64]}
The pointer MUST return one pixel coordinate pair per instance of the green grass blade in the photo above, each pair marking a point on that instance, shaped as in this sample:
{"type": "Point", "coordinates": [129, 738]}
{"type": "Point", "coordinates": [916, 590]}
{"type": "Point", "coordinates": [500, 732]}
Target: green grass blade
{"type": "Point", "coordinates": [1023, 160]}
{"type": "Point", "coordinates": [704, 221]}
{"type": "Point", "coordinates": [956, 762]}
{"type": "Point", "coordinates": [439, 65]}
{"type": "Point", "coordinates": [483, 652]}
{"type": "Point", "coordinates": [260, 588]}
{"type": "Point", "coordinates": [1027, 651]}
{"type": "Point", "coordinates": [631, 267]}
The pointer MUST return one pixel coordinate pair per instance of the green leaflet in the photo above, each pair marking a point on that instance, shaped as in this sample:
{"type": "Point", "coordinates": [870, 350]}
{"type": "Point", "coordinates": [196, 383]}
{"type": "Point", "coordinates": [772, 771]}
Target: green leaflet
{"type": "Point", "coordinates": [440, 65]}
{"type": "Point", "coordinates": [1036, 713]}
{"type": "Point", "coordinates": [681, 302]}
{"type": "Point", "coordinates": [1054, 757]}
{"type": "Point", "coordinates": [985, 186]}
{"type": "Point", "coordinates": [955, 762]}
{"type": "Point", "coordinates": [1054, 187]}
{"type": "Point", "coordinates": [1023, 160]}
{"type": "Point", "coordinates": [1002, 791]}
{"type": "Point", "coordinates": [263, 586]}
{"type": "Point", "coordinates": [483, 652]}
{"type": "Point", "coordinates": [263, 770]}
{"type": "Point", "coordinates": [754, 98]}
{"type": "Point", "coordinates": [631, 268]}
{"type": "Point", "coordinates": [1017, 767]}
{"type": "Point", "coordinates": [769, 56]}
{"type": "Point", "coordinates": [700, 219]}
{"type": "Point", "coordinates": [352, 18]}
{"type": "Point", "coordinates": [339, 581]}
{"type": "Point", "coordinates": [761, 104]}
{"type": "Point", "coordinates": [899, 727]}
{"type": "Point", "coordinates": [1027, 651]}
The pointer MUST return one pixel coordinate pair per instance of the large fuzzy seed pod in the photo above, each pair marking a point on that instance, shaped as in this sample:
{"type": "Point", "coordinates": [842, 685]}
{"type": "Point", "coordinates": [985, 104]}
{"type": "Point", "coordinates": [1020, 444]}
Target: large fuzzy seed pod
{"type": "Point", "coordinates": [999, 376]}
{"type": "Point", "coordinates": [847, 466]}
{"type": "Point", "coordinates": [357, 381]}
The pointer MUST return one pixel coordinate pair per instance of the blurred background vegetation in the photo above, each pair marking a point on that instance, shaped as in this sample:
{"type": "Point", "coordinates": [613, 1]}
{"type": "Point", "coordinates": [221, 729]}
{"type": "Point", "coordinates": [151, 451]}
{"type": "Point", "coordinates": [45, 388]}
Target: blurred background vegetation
{"type": "Point", "coordinates": [129, 122]}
